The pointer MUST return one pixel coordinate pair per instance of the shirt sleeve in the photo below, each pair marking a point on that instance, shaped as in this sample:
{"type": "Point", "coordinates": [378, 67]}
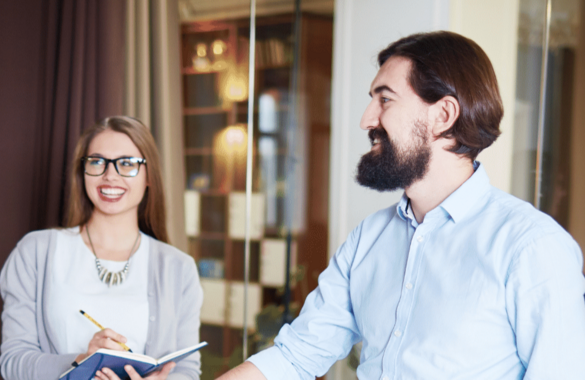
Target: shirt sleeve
{"type": "Point", "coordinates": [22, 357]}
{"type": "Point", "coordinates": [325, 330]}
{"type": "Point", "coordinates": [546, 308]}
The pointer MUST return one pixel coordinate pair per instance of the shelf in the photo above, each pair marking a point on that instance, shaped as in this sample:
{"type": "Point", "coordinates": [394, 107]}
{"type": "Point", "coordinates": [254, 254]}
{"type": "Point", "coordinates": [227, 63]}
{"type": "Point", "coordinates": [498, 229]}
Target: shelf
{"type": "Point", "coordinates": [191, 71]}
{"type": "Point", "coordinates": [287, 65]}
{"type": "Point", "coordinates": [204, 111]}
{"type": "Point", "coordinates": [198, 151]}
{"type": "Point", "coordinates": [242, 108]}
{"type": "Point", "coordinates": [209, 151]}
{"type": "Point", "coordinates": [210, 235]}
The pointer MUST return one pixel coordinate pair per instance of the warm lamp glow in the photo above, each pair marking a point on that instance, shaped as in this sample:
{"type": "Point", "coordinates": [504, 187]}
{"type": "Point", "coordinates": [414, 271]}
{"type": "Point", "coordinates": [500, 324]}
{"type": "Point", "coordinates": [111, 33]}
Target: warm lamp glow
{"type": "Point", "coordinates": [218, 47]}
{"type": "Point", "coordinates": [201, 50]}
{"type": "Point", "coordinates": [231, 141]}
{"type": "Point", "coordinates": [236, 87]}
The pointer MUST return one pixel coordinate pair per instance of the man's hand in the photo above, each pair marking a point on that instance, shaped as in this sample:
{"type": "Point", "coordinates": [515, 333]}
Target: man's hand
{"type": "Point", "coordinates": [245, 371]}
{"type": "Point", "coordinates": [105, 338]}
{"type": "Point", "coordinates": [108, 374]}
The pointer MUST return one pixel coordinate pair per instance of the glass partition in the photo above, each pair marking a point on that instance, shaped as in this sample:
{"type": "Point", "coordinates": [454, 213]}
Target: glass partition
{"type": "Point", "coordinates": [289, 169]}
{"type": "Point", "coordinates": [556, 169]}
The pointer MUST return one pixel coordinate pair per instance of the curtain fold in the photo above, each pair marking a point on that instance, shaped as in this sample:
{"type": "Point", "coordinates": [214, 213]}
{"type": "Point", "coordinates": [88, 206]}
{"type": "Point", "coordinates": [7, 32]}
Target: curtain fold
{"type": "Point", "coordinates": [61, 69]}
{"type": "Point", "coordinates": [153, 95]}
{"type": "Point", "coordinates": [81, 82]}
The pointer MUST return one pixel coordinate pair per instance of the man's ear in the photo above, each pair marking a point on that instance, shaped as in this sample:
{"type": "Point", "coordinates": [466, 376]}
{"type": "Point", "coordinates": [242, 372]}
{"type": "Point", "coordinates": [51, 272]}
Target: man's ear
{"type": "Point", "coordinates": [444, 114]}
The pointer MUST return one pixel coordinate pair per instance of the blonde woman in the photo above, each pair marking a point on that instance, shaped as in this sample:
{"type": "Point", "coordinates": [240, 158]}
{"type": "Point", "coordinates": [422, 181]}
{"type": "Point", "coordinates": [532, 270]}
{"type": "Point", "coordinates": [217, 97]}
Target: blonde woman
{"type": "Point", "coordinates": [112, 261]}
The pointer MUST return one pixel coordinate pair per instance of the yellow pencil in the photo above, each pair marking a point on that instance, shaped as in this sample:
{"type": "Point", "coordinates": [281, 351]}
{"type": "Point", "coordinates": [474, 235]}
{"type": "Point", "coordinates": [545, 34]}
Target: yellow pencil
{"type": "Point", "coordinates": [102, 328]}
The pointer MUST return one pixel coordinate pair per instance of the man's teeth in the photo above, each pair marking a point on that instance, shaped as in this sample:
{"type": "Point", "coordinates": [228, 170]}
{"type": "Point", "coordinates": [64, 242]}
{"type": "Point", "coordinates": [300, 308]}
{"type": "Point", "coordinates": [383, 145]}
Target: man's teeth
{"type": "Point", "coordinates": [376, 141]}
{"type": "Point", "coordinates": [112, 192]}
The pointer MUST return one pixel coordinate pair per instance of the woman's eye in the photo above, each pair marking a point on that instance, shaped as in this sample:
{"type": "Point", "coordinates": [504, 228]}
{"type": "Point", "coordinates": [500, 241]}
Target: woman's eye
{"type": "Point", "coordinates": [126, 163]}
{"type": "Point", "coordinates": [96, 162]}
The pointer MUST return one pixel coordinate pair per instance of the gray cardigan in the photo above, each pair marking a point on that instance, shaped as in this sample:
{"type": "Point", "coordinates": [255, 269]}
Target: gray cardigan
{"type": "Point", "coordinates": [28, 351]}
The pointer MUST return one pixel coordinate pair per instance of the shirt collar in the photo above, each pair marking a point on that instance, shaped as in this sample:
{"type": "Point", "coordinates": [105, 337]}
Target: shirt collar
{"type": "Point", "coordinates": [461, 200]}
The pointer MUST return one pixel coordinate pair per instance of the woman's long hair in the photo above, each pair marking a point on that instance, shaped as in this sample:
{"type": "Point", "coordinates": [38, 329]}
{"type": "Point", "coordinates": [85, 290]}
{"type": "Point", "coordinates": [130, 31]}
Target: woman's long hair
{"type": "Point", "coordinates": [151, 211]}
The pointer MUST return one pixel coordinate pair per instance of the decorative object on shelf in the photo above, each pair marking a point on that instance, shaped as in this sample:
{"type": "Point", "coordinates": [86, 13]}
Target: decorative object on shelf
{"type": "Point", "coordinates": [273, 262]}
{"type": "Point", "coordinates": [237, 216]}
{"type": "Point", "coordinates": [200, 60]}
{"type": "Point", "coordinates": [192, 210]}
{"type": "Point", "coordinates": [218, 48]}
{"type": "Point", "coordinates": [213, 308]}
{"type": "Point", "coordinates": [211, 268]}
{"type": "Point", "coordinates": [199, 181]}
{"type": "Point", "coordinates": [236, 305]}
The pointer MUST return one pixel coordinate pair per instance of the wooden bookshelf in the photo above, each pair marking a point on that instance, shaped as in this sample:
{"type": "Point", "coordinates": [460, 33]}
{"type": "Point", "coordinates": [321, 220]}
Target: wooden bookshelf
{"type": "Point", "coordinates": [207, 112]}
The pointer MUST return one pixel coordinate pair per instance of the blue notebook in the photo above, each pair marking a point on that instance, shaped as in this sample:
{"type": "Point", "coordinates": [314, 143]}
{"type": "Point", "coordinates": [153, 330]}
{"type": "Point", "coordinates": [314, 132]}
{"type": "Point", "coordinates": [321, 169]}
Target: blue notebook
{"type": "Point", "coordinates": [116, 360]}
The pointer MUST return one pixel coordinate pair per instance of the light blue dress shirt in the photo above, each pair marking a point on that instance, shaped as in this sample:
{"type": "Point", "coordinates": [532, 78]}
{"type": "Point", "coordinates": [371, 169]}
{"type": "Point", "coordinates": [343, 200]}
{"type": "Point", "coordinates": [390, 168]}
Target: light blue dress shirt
{"type": "Point", "coordinates": [487, 287]}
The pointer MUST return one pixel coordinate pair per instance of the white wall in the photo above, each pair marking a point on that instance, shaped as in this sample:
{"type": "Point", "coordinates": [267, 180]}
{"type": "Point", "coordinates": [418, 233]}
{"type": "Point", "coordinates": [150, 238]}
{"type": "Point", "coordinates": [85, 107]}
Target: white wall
{"type": "Point", "coordinates": [493, 25]}
{"type": "Point", "coordinates": [362, 29]}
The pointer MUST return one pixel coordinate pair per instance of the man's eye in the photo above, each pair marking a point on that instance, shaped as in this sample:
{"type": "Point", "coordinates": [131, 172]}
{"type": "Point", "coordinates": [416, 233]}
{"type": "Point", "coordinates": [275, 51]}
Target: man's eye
{"type": "Point", "coordinates": [385, 100]}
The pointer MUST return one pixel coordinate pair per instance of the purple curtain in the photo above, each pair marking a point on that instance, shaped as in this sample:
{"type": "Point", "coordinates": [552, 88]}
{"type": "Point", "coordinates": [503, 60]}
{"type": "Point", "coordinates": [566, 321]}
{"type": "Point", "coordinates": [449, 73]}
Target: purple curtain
{"type": "Point", "coordinates": [61, 69]}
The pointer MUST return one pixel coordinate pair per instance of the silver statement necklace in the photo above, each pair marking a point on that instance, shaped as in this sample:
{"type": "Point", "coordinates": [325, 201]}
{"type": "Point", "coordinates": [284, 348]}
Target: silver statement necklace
{"type": "Point", "coordinates": [104, 274]}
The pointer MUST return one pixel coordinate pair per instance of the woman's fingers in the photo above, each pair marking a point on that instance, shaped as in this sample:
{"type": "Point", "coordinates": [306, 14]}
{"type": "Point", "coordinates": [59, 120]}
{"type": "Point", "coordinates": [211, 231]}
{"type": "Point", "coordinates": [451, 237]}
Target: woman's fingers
{"type": "Point", "coordinates": [106, 374]}
{"type": "Point", "coordinates": [163, 373]}
{"type": "Point", "coordinates": [109, 333]}
{"type": "Point", "coordinates": [132, 372]}
{"type": "Point", "coordinates": [106, 338]}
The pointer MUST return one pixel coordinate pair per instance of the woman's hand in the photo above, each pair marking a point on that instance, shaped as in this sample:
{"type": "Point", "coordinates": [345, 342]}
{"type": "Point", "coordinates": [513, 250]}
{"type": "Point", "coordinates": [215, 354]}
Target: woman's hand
{"type": "Point", "coordinates": [106, 338]}
{"type": "Point", "coordinates": [108, 374]}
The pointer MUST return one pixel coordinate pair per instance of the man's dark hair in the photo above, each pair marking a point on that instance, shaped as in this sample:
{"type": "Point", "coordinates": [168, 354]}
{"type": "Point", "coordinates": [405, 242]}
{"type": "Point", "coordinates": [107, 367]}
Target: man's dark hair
{"type": "Point", "coordinates": [448, 64]}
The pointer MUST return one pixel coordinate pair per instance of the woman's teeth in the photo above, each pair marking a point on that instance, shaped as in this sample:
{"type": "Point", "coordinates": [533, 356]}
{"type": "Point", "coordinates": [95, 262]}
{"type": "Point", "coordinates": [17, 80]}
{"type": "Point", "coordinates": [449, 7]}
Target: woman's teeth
{"type": "Point", "coordinates": [112, 192]}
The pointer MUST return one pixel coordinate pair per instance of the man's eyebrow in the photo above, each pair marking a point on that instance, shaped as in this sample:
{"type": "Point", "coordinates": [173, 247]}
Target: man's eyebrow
{"type": "Point", "coordinates": [381, 88]}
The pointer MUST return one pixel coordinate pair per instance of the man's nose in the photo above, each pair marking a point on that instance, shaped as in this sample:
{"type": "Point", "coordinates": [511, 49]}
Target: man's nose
{"type": "Point", "coordinates": [371, 117]}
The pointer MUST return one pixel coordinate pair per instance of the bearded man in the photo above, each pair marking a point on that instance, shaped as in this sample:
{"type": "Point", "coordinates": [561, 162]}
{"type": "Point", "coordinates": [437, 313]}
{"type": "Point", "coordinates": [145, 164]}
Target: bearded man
{"type": "Point", "coordinates": [458, 280]}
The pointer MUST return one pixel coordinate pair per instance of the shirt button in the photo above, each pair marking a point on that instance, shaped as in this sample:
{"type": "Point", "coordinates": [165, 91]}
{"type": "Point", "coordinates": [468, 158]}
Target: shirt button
{"type": "Point", "coordinates": [152, 318]}
{"type": "Point", "coordinates": [420, 239]}
{"type": "Point", "coordinates": [409, 286]}
{"type": "Point", "coordinates": [385, 378]}
{"type": "Point", "coordinates": [398, 333]}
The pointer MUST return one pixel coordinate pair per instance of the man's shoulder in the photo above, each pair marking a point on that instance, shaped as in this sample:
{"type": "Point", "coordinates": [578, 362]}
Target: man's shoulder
{"type": "Point", "coordinates": [509, 213]}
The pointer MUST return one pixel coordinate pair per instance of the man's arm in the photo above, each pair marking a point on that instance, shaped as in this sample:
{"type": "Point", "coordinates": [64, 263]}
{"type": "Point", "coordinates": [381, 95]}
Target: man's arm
{"type": "Point", "coordinates": [546, 308]}
{"type": "Point", "coordinates": [323, 333]}
{"type": "Point", "coordinates": [245, 371]}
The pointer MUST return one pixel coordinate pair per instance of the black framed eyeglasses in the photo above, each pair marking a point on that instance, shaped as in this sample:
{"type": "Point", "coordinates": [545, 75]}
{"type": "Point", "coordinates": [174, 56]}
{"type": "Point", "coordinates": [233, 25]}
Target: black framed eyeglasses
{"type": "Point", "coordinates": [125, 166]}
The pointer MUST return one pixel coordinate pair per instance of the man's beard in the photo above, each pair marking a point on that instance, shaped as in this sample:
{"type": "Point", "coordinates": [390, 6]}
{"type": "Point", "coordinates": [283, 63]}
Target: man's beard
{"type": "Point", "coordinates": [388, 169]}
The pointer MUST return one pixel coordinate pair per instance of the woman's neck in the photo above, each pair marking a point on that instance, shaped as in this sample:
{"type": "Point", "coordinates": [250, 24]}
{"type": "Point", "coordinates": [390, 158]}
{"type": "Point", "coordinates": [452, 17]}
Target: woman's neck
{"type": "Point", "coordinates": [112, 236]}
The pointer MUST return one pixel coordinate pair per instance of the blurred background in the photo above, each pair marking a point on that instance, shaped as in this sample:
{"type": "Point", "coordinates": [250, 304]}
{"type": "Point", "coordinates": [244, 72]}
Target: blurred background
{"type": "Point", "coordinates": [182, 67]}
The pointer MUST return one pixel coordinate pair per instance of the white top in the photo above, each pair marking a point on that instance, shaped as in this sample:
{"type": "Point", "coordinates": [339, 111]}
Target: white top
{"type": "Point", "coordinates": [76, 286]}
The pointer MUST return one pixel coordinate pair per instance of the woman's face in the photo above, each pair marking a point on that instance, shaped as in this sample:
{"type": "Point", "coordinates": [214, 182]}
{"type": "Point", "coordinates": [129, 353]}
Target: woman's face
{"type": "Point", "coordinates": [110, 193]}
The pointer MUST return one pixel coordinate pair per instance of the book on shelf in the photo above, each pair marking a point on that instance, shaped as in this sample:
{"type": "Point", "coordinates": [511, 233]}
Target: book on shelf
{"type": "Point", "coordinates": [237, 215]}
{"type": "Point", "coordinates": [116, 360]}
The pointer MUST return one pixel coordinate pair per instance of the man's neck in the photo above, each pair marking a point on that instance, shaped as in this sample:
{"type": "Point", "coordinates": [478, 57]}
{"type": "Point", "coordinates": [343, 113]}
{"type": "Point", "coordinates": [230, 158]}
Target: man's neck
{"type": "Point", "coordinates": [445, 175]}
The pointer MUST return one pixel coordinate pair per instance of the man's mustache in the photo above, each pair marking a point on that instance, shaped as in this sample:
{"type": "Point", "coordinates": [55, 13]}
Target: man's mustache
{"type": "Point", "coordinates": [378, 133]}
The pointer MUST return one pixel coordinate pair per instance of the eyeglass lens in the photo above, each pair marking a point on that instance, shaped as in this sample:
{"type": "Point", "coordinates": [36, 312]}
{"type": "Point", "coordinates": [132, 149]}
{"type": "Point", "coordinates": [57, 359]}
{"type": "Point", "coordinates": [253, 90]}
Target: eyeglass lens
{"type": "Point", "coordinates": [127, 167]}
